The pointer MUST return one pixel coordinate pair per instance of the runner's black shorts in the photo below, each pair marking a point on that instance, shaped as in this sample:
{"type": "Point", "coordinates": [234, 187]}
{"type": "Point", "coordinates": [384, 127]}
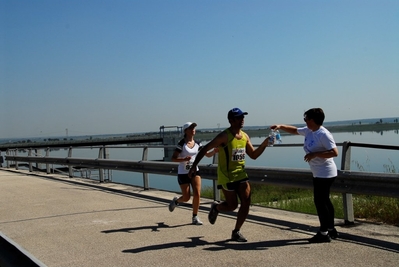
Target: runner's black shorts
{"type": "Point", "coordinates": [184, 179]}
{"type": "Point", "coordinates": [233, 186]}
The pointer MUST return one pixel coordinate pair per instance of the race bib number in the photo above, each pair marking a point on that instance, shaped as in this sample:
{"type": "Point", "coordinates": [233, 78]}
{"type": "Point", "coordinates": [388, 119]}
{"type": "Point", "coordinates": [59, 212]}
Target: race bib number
{"type": "Point", "coordinates": [238, 154]}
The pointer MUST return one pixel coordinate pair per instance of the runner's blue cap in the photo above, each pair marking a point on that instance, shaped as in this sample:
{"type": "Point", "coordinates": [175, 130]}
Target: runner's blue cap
{"type": "Point", "coordinates": [235, 112]}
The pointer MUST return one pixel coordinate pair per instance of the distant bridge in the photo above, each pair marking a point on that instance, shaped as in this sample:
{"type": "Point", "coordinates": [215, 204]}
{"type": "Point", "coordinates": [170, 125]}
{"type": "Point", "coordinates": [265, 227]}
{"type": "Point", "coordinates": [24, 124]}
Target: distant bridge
{"type": "Point", "coordinates": [87, 142]}
{"type": "Point", "coordinates": [163, 137]}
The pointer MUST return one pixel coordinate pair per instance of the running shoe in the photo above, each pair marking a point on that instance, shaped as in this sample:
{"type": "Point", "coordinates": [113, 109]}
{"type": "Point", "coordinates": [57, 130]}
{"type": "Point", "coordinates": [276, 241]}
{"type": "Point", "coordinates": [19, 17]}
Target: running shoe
{"type": "Point", "coordinates": [213, 213]}
{"type": "Point", "coordinates": [320, 238]}
{"type": "Point", "coordinates": [237, 236]}
{"type": "Point", "coordinates": [173, 204]}
{"type": "Point", "coordinates": [197, 221]}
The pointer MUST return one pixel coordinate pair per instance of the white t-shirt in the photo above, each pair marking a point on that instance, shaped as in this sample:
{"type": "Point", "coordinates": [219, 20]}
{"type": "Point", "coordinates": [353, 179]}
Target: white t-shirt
{"type": "Point", "coordinates": [320, 140]}
{"type": "Point", "coordinates": [185, 151]}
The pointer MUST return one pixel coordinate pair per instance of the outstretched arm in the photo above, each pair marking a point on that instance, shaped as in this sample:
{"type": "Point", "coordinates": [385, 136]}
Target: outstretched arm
{"type": "Point", "coordinates": [255, 153]}
{"type": "Point", "coordinates": [286, 128]}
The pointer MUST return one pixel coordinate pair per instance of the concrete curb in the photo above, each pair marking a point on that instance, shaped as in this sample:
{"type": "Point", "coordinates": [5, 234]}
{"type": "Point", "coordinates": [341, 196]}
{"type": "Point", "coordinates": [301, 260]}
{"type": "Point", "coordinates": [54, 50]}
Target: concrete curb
{"type": "Point", "coordinates": [11, 254]}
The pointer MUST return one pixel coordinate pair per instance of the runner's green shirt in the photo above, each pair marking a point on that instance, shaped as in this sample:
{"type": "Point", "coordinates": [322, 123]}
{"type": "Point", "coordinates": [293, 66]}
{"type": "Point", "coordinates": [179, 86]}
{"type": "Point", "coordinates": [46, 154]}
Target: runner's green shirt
{"type": "Point", "coordinates": [231, 162]}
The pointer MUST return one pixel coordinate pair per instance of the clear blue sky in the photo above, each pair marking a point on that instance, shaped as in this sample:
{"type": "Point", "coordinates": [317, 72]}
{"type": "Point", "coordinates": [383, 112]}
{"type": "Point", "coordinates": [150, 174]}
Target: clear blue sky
{"type": "Point", "coordinates": [113, 66]}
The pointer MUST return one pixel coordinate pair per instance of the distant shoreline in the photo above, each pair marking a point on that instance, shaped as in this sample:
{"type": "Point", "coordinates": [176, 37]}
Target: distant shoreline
{"type": "Point", "coordinates": [208, 134]}
{"type": "Point", "coordinates": [377, 127]}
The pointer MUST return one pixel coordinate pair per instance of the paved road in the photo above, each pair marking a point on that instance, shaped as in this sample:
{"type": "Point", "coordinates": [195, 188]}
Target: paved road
{"type": "Point", "coordinates": [74, 222]}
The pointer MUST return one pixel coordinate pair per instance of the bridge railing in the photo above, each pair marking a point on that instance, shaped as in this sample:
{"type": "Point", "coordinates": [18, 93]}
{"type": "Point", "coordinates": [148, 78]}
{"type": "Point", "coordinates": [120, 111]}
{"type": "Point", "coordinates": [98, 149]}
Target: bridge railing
{"type": "Point", "coordinates": [347, 182]}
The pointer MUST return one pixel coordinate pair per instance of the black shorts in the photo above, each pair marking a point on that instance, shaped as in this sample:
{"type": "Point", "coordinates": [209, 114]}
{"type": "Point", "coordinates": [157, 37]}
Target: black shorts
{"type": "Point", "coordinates": [233, 186]}
{"type": "Point", "coordinates": [184, 179]}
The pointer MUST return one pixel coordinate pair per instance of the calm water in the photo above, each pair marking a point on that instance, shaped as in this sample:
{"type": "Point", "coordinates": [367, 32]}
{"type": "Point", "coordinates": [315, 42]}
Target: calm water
{"type": "Point", "coordinates": [363, 159]}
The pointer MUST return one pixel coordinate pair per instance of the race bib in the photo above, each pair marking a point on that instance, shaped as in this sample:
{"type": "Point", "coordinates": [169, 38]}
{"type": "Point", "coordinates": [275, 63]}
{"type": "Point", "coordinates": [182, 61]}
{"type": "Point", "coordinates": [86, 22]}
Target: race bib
{"type": "Point", "coordinates": [238, 154]}
{"type": "Point", "coordinates": [188, 165]}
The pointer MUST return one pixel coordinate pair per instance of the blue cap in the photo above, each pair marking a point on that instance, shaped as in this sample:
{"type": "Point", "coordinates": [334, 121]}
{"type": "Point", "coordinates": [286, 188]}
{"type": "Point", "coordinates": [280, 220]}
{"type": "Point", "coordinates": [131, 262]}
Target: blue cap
{"type": "Point", "coordinates": [235, 112]}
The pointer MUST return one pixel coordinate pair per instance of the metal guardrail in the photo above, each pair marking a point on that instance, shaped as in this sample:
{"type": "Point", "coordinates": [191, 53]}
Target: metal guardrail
{"type": "Point", "coordinates": [347, 182]}
{"type": "Point", "coordinates": [381, 184]}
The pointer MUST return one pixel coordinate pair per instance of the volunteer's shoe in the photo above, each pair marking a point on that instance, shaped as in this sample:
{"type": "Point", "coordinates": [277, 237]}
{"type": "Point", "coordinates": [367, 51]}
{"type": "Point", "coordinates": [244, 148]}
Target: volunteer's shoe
{"type": "Point", "coordinates": [333, 233]}
{"type": "Point", "coordinates": [320, 238]}
{"type": "Point", "coordinates": [173, 204]}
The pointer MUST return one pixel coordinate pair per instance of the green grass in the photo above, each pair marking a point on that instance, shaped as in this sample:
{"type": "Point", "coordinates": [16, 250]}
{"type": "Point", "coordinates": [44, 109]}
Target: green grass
{"type": "Point", "coordinates": [377, 209]}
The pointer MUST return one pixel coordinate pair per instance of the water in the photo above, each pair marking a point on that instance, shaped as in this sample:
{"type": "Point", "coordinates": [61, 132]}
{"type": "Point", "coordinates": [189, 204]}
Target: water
{"type": "Point", "coordinates": [363, 159]}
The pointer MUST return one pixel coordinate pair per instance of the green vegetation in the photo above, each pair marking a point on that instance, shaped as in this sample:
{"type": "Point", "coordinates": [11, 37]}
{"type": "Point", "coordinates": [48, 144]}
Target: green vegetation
{"type": "Point", "coordinates": [376, 209]}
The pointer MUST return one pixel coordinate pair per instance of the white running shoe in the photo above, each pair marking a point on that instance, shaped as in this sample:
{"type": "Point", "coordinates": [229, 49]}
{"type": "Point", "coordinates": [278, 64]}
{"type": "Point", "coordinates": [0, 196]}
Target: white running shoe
{"type": "Point", "coordinates": [197, 221]}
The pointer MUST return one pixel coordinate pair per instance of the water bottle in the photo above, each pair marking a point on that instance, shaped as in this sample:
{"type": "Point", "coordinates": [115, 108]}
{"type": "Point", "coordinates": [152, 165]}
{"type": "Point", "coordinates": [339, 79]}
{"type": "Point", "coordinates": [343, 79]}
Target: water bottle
{"type": "Point", "coordinates": [278, 137]}
{"type": "Point", "coordinates": [272, 137]}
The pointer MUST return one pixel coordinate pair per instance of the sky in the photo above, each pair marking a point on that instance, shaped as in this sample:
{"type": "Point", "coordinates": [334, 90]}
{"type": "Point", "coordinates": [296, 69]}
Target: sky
{"type": "Point", "coordinates": [126, 66]}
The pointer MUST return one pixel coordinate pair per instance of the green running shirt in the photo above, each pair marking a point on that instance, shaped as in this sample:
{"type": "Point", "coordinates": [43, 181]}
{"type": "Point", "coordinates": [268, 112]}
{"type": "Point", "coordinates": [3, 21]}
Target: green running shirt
{"type": "Point", "coordinates": [231, 161]}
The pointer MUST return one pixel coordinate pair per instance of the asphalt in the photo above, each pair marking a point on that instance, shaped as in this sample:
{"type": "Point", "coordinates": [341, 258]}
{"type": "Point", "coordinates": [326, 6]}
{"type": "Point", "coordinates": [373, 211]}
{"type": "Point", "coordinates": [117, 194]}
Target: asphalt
{"type": "Point", "coordinates": [58, 221]}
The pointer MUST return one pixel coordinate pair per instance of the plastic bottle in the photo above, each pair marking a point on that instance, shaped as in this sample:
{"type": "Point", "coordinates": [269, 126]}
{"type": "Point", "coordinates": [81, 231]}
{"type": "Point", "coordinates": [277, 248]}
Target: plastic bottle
{"type": "Point", "coordinates": [272, 137]}
{"type": "Point", "coordinates": [278, 137]}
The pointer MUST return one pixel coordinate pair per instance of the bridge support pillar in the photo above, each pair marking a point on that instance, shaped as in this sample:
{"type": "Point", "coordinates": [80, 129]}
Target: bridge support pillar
{"type": "Point", "coordinates": [168, 151]}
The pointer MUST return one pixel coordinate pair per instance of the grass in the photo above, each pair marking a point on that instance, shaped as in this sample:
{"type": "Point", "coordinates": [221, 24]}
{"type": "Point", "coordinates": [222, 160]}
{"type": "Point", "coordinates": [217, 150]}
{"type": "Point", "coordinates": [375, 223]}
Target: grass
{"type": "Point", "coordinates": [377, 209]}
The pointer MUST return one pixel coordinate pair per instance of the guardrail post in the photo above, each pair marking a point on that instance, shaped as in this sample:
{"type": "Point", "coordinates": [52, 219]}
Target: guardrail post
{"type": "Point", "coordinates": [8, 153]}
{"type": "Point", "coordinates": [30, 163]}
{"type": "Point", "coordinates": [37, 154]}
{"type": "Point", "coordinates": [146, 182]}
{"type": "Point", "coordinates": [109, 172]}
{"type": "Point", "coordinates": [216, 191]}
{"type": "Point", "coordinates": [102, 154]}
{"type": "Point", "coordinates": [16, 162]}
{"type": "Point", "coordinates": [100, 171]}
{"type": "Point", "coordinates": [48, 171]}
{"type": "Point", "coordinates": [349, 216]}
{"type": "Point", "coordinates": [70, 167]}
